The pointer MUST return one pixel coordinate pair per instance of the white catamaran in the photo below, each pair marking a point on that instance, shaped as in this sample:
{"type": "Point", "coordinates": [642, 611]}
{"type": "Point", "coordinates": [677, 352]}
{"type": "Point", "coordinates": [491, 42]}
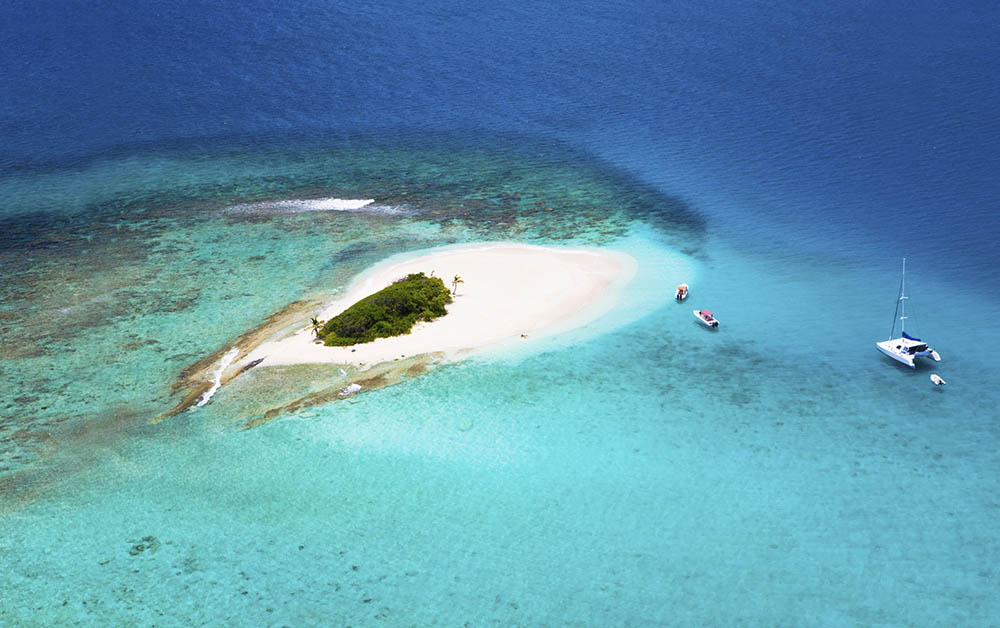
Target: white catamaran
{"type": "Point", "coordinates": [906, 348]}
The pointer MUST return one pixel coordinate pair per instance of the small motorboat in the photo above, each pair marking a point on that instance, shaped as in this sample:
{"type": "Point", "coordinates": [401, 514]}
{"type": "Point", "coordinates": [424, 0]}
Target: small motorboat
{"type": "Point", "coordinates": [682, 292]}
{"type": "Point", "coordinates": [706, 318]}
{"type": "Point", "coordinates": [938, 381]}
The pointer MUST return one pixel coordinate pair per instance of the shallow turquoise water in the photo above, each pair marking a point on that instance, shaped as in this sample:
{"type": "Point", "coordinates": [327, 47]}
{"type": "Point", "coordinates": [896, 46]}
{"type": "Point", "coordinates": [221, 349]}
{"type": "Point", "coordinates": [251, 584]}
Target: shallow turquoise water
{"type": "Point", "coordinates": [641, 471]}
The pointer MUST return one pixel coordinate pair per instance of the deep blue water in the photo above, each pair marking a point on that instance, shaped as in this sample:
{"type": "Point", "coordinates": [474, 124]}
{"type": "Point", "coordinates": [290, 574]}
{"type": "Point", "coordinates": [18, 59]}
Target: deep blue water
{"type": "Point", "coordinates": [875, 122]}
{"type": "Point", "coordinates": [784, 474]}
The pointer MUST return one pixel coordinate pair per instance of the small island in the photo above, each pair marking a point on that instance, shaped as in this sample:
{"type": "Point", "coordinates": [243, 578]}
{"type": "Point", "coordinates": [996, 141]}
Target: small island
{"type": "Point", "coordinates": [502, 293]}
{"type": "Point", "coordinates": [392, 311]}
{"type": "Point", "coordinates": [392, 322]}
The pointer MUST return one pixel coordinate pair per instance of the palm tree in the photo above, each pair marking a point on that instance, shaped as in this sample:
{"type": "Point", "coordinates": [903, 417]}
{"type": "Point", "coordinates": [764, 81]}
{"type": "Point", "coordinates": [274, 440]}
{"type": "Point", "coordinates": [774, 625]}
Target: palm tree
{"type": "Point", "coordinates": [454, 284]}
{"type": "Point", "coordinates": [316, 325]}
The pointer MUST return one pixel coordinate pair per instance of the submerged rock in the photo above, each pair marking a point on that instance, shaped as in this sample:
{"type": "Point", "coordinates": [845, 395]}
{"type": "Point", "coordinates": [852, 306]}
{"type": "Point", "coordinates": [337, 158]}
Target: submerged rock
{"type": "Point", "coordinates": [147, 543]}
{"type": "Point", "coordinates": [251, 365]}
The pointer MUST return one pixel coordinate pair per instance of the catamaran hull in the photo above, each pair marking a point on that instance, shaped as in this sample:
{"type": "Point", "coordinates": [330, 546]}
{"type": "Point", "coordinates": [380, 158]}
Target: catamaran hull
{"type": "Point", "coordinates": [909, 360]}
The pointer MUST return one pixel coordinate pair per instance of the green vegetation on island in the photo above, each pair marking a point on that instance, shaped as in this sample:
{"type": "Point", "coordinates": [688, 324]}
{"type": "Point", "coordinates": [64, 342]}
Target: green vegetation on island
{"type": "Point", "coordinates": [392, 311]}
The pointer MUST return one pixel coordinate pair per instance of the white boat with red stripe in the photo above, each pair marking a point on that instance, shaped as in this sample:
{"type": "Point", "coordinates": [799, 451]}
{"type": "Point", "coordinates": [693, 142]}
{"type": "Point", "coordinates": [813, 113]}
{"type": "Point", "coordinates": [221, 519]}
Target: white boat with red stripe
{"type": "Point", "coordinates": [706, 318]}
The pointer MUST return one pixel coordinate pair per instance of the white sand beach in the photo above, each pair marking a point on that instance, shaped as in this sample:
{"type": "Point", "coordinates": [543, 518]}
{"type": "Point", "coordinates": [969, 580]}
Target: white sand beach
{"type": "Point", "coordinates": [511, 293]}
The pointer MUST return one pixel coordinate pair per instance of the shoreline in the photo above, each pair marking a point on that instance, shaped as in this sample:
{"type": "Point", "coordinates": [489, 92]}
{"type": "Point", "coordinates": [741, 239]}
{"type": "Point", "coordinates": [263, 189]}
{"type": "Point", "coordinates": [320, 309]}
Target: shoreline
{"type": "Point", "coordinates": [510, 292]}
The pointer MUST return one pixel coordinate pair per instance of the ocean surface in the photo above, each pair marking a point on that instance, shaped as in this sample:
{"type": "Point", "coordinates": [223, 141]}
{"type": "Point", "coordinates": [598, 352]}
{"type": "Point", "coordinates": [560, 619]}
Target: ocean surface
{"type": "Point", "coordinates": [174, 174]}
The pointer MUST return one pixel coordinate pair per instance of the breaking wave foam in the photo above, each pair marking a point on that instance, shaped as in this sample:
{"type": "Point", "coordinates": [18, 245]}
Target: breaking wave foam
{"type": "Point", "coordinates": [217, 377]}
{"type": "Point", "coordinates": [293, 206]}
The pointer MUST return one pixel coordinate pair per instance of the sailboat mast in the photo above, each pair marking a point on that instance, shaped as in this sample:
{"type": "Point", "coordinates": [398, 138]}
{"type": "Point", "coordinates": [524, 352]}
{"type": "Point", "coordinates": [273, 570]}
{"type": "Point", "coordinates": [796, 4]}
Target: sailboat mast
{"type": "Point", "coordinates": [902, 299]}
{"type": "Point", "coordinates": [899, 299]}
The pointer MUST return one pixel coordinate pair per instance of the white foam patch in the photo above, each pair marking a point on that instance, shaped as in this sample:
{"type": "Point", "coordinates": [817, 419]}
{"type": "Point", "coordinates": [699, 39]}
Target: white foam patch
{"type": "Point", "coordinates": [350, 390]}
{"type": "Point", "coordinates": [293, 206]}
{"type": "Point", "coordinates": [329, 204]}
{"type": "Point", "coordinates": [217, 377]}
